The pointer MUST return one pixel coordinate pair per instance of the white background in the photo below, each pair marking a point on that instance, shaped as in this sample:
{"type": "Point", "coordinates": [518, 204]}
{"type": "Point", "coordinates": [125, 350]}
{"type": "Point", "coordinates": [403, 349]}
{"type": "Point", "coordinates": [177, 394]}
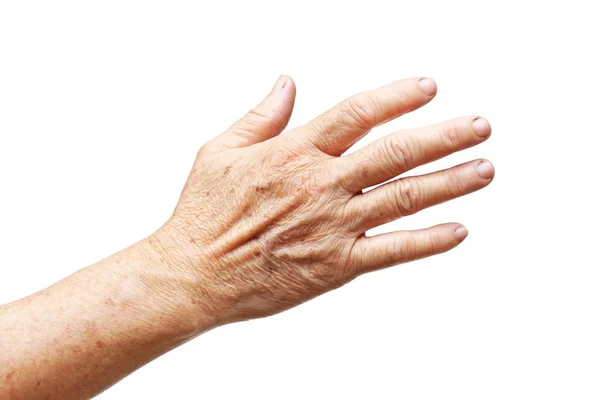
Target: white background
{"type": "Point", "coordinates": [103, 106]}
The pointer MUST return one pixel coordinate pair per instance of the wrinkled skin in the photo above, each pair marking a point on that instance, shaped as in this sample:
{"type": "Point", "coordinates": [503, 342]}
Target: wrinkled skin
{"type": "Point", "coordinates": [268, 220]}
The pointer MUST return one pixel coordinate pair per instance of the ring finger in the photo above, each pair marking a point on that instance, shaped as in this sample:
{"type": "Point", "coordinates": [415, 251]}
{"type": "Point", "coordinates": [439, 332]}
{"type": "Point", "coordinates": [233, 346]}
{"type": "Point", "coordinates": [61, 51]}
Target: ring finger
{"type": "Point", "coordinates": [409, 195]}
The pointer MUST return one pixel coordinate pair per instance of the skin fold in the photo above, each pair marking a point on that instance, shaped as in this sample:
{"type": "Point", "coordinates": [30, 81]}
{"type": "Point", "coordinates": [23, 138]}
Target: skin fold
{"type": "Point", "coordinates": [267, 220]}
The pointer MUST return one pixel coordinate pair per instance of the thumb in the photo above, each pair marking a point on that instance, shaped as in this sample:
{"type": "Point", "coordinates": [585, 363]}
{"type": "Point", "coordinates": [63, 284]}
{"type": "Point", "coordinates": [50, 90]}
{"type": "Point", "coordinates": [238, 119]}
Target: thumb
{"type": "Point", "coordinates": [264, 121]}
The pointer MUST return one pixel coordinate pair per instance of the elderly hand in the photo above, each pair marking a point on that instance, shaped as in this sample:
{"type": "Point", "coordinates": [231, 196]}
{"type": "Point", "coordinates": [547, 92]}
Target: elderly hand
{"type": "Point", "coordinates": [268, 220]}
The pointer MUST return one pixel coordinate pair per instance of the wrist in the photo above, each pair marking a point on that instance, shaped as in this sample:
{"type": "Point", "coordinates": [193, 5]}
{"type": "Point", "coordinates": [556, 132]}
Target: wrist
{"type": "Point", "coordinates": [175, 287]}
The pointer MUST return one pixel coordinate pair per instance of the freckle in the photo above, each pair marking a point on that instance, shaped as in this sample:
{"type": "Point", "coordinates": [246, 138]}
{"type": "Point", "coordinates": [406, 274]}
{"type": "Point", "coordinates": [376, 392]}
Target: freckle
{"type": "Point", "coordinates": [262, 189]}
{"type": "Point", "coordinates": [192, 240]}
{"type": "Point", "coordinates": [90, 327]}
{"type": "Point", "coordinates": [109, 302]}
{"type": "Point", "coordinates": [227, 169]}
{"type": "Point", "coordinates": [364, 171]}
{"type": "Point", "coordinates": [38, 383]}
{"type": "Point", "coordinates": [9, 375]}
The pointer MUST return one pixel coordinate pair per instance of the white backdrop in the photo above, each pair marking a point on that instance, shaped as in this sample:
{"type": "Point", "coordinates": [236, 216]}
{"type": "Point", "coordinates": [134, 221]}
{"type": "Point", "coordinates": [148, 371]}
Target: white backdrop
{"type": "Point", "coordinates": [103, 106]}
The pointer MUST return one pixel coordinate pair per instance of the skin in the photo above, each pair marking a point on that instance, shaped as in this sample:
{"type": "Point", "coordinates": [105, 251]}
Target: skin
{"type": "Point", "coordinates": [266, 221]}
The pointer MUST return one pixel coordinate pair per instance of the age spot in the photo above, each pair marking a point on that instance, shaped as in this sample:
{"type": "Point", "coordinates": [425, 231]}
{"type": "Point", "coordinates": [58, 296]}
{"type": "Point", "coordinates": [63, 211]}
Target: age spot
{"type": "Point", "coordinates": [262, 188]}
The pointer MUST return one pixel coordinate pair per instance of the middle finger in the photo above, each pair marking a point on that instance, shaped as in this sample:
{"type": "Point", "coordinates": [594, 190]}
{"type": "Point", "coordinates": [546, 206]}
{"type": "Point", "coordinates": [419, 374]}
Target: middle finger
{"type": "Point", "coordinates": [402, 151]}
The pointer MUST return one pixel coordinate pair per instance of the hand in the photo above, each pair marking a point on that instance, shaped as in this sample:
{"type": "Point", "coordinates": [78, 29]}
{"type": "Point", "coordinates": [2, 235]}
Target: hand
{"type": "Point", "coordinates": [268, 220]}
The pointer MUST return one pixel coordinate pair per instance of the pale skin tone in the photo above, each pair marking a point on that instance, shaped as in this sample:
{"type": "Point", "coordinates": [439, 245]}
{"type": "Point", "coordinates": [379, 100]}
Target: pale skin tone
{"type": "Point", "coordinates": [267, 220]}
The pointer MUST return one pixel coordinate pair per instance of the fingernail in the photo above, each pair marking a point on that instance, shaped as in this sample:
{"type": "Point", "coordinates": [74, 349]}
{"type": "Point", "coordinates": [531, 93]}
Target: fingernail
{"type": "Point", "coordinates": [428, 86]}
{"type": "Point", "coordinates": [481, 127]}
{"type": "Point", "coordinates": [280, 84]}
{"type": "Point", "coordinates": [485, 169]}
{"type": "Point", "coordinates": [460, 233]}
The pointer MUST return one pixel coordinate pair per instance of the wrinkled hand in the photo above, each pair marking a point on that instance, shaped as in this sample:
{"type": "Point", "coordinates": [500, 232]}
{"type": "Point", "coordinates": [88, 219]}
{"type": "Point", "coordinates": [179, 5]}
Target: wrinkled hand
{"type": "Point", "coordinates": [268, 220]}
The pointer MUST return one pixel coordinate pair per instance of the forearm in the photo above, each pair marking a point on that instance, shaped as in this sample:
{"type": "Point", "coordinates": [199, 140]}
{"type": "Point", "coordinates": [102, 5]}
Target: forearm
{"type": "Point", "coordinates": [83, 334]}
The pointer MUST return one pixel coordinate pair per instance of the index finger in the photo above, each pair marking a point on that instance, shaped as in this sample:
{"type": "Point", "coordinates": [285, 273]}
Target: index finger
{"type": "Point", "coordinates": [339, 128]}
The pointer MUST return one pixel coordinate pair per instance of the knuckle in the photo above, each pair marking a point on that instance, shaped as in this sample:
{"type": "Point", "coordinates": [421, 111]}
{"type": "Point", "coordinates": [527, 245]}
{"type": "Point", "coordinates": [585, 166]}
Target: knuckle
{"type": "Point", "coordinates": [283, 156]}
{"type": "Point", "coordinates": [454, 183]}
{"type": "Point", "coordinates": [297, 140]}
{"type": "Point", "coordinates": [306, 184]}
{"type": "Point", "coordinates": [348, 181]}
{"type": "Point", "coordinates": [360, 112]}
{"type": "Point", "coordinates": [399, 153]}
{"type": "Point", "coordinates": [297, 172]}
{"type": "Point", "coordinates": [393, 252]}
{"type": "Point", "coordinates": [406, 249]}
{"type": "Point", "coordinates": [353, 217]}
{"type": "Point", "coordinates": [321, 279]}
{"type": "Point", "coordinates": [406, 199]}
{"type": "Point", "coordinates": [208, 148]}
{"type": "Point", "coordinates": [313, 184]}
{"type": "Point", "coordinates": [261, 116]}
{"type": "Point", "coordinates": [356, 259]}
{"type": "Point", "coordinates": [319, 132]}
{"type": "Point", "coordinates": [435, 243]}
{"type": "Point", "coordinates": [320, 126]}
{"type": "Point", "coordinates": [403, 99]}
{"type": "Point", "coordinates": [450, 137]}
{"type": "Point", "coordinates": [337, 273]}
{"type": "Point", "coordinates": [205, 149]}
